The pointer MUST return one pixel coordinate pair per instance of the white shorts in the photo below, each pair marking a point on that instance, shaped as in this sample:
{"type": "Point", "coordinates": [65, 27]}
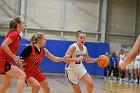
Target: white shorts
{"type": "Point", "coordinates": [130, 66]}
{"type": "Point", "coordinates": [137, 64]}
{"type": "Point", "coordinates": [120, 62]}
{"type": "Point", "coordinates": [73, 76]}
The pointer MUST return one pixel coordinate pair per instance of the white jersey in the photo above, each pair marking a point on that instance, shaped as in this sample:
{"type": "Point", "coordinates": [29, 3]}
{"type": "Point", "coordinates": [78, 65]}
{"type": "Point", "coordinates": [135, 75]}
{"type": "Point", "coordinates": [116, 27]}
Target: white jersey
{"type": "Point", "coordinates": [78, 52]}
{"type": "Point", "coordinates": [122, 57]}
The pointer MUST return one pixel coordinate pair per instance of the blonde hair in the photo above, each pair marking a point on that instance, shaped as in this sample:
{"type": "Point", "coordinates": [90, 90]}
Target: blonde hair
{"type": "Point", "coordinates": [35, 37]}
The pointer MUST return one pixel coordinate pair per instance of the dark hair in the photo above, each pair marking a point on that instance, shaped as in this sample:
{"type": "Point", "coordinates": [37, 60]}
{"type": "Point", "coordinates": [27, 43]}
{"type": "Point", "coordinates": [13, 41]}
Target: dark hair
{"type": "Point", "coordinates": [113, 54]}
{"type": "Point", "coordinates": [13, 23]}
{"type": "Point", "coordinates": [79, 32]}
{"type": "Point", "coordinates": [35, 37]}
{"type": "Point", "coordinates": [122, 51]}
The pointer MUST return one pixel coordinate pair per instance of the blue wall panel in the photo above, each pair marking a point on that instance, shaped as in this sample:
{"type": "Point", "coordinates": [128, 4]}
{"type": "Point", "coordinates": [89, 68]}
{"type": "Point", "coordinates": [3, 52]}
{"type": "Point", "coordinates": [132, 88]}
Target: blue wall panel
{"type": "Point", "coordinates": [59, 47]}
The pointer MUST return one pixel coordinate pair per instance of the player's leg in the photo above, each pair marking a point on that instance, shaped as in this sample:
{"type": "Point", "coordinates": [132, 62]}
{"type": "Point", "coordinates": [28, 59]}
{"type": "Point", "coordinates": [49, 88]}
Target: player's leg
{"type": "Point", "coordinates": [73, 79]}
{"type": "Point", "coordinates": [120, 74]}
{"type": "Point", "coordinates": [116, 73]}
{"type": "Point", "coordinates": [110, 71]}
{"type": "Point", "coordinates": [34, 84]}
{"type": "Point", "coordinates": [136, 75]}
{"type": "Point", "coordinates": [105, 73]}
{"type": "Point", "coordinates": [6, 80]}
{"type": "Point", "coordinates": [127, 74]}
{"type": "Point", "coordinates": [139, 75]}
{"type": "Point", "coordinates": [76, 88]}
{"type": "Point", "coordinates": [45, 86]}
{"type": "Point", "coordinates": [130, 74]}
{"type": "Point", "coordinates": [16, 72]}
{"type": "Point", "coordinates": [89, 82]}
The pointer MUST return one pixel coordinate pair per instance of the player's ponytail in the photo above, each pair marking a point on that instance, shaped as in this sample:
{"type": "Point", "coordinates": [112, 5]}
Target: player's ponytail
{"type": "Point", "coordinates": [13, 23]}
{"type": "Point", "coordinates": [32, 39]}
{"type": "Point", "coordinates": [35, 37]}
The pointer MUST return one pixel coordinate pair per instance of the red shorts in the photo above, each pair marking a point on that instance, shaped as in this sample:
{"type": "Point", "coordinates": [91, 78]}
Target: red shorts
{"type": "Point", "coordinates": [4, 66]}
{"type": "Point", "coordinates": [38, 75]}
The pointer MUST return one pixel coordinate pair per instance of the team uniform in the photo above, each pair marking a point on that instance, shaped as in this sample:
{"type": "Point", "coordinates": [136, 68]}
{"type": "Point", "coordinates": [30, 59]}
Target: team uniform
{"type": "Point", "coordinates": [74, 71]}
{"type": "Point", "coordinates": [122, 73]}
{"type": "Point", "coordinates": [137, 62]}
{"type": "Point", "coordinates": [5, 60]}
{"type": "Point", "coordinates": [32, 57]}
{"type": "Point", "coordinates": [122, 57]}
{"type": "Point", "coordinates": [113, 66]}
{"type": "Point", "coordinates": [130, 66]}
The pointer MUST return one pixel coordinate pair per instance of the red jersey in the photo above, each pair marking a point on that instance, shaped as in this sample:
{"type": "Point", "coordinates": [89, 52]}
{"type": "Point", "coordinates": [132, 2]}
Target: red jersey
{"type": "Point", "coordinates": [33, 60]}
{"type": "Point", "coordinates": [15, 37]}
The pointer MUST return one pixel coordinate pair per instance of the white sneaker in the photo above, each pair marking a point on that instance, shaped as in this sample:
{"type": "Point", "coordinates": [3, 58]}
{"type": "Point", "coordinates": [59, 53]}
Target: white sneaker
{"type": "Point", "coordinates": [120, 80]}
{"type": "Point", "coordinates": [126, 79]}
{"type": "Point", "coordinates": [105, 78]}
{"type": "Point", "coordinates": [115, 78]}
{"type": "Point", "coordinates": [108, 78]}
{"type": "Point", "coordinates": [136, 81]}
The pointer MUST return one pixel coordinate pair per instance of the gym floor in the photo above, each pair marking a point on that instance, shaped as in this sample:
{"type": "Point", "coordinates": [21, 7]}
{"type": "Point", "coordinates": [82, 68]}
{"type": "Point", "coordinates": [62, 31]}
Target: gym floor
{"type": "Point", "coordinates": [59, 84]}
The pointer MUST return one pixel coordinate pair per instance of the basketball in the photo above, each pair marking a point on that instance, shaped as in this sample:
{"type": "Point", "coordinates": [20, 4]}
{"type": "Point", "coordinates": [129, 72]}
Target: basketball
{"type": "Point", "coordinates": [103, 61]}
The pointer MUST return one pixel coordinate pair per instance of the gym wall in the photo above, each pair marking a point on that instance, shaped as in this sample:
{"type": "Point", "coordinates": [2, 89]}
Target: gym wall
{"type": "Point", "coordinates": [59, 48]}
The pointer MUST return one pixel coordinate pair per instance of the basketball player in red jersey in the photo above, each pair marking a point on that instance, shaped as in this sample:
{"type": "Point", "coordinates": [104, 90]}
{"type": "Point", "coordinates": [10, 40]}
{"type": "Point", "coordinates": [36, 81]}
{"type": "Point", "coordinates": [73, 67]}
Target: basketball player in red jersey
{"type": "Point", "coordinates": [32, 56]}
{"type": "Point", "coordinates": [8, 49]}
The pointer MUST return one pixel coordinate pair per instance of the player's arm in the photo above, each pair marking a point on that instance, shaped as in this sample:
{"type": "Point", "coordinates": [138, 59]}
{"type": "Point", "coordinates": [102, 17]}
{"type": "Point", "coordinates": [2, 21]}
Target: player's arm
{"type": "Point", "coordinates": [133, 53]}
{"type": "Point", "coordinates": [69, 53]}
{"type": "Point", "coordinates": [52, 57]}
{"type": "Point", "coordinates": [90, 60]}
{"type": "Point", "coordinates": [5, 47]}
{"type": "Point", "coordinates": [26, 52]}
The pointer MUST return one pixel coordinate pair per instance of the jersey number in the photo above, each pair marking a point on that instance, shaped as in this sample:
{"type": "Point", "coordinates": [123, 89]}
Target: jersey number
{"type": "Point", "coordinates": [35, 63]}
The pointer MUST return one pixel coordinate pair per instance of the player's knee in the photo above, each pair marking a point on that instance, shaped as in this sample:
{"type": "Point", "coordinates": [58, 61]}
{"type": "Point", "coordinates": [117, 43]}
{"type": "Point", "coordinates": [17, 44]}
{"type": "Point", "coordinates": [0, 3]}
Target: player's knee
{"type": "Point", "coordinates": [47, 89]}
{"type": "Point", "coordinates": [37, 86]}
{"type": "Point", "coordinates": [90, 84]}
{"type": "Point", "coordinates": [6, 85]}
{"type": "Point", "coordinates": [22, 76]}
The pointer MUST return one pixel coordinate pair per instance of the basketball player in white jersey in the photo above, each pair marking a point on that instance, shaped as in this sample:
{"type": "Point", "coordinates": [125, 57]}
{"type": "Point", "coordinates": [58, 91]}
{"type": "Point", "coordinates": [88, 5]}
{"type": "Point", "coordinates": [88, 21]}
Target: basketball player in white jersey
{"type": "Point", "coordinates": [121, 59]}
{"type": "Point", "coordinates": [136, 68]}
{"type": "Point", "coordinates": [129, 71]}
{"type": "Point", "coordinates": [75, 69]}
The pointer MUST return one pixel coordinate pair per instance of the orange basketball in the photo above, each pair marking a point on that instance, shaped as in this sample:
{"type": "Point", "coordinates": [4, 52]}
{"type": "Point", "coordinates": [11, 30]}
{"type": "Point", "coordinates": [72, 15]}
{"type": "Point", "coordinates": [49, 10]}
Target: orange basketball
{"type": "Point", "coordinates": [103, 61]}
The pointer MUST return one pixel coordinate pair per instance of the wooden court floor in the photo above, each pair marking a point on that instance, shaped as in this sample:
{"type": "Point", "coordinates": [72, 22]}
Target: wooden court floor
{"type": "Point", "coordinates": [59, 84]}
